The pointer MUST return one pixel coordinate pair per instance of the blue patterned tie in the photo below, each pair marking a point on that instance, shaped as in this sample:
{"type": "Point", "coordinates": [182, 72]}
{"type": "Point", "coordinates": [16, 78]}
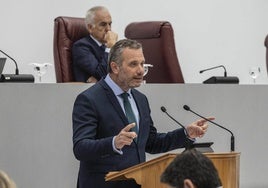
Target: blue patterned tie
{"type": "Point", "coordinates": [129, 112]}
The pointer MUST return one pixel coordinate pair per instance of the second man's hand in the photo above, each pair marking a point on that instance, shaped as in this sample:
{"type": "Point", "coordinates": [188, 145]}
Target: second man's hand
{"type": "Point", "coordinates": [111, 38]}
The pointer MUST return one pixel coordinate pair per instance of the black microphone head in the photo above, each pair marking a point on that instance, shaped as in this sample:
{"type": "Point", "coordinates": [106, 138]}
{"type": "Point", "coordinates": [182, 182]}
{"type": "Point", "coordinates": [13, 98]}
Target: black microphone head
{"type": "Point", "coordinates": [186, 107]}
{"type": "Point", "coordinates": [201, 71]}
{"type": "Point", "coordinates": [163, 109]}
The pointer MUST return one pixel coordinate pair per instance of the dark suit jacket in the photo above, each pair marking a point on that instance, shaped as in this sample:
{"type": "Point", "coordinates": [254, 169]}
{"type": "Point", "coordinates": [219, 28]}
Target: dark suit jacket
{"type": "Point", "coordinates": [97, 118]}
{"type": "Point", "coordinates": [88, 60]}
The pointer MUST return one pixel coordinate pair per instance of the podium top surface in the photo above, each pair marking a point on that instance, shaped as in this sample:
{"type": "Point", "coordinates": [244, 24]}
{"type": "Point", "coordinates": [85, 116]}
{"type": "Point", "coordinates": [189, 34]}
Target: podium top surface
{"type": "Point", "coordinates": [120, 175]}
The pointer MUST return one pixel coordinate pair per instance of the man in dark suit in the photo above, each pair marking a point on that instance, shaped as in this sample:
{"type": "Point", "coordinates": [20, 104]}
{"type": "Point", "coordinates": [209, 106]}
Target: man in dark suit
{"type": "Point", "coordinates": [104, 137]}
{"type": "Point", "coordinates": [89, 54]}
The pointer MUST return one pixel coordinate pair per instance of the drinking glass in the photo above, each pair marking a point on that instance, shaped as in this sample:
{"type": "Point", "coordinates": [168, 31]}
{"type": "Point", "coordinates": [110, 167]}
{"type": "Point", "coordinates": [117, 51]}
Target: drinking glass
{"type": "Point", "coordinates": [40, 70]}
{"type": "Point", "coordinates": [254, 72]}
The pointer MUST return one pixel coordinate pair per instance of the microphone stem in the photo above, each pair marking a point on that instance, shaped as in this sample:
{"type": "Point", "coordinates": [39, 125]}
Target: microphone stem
{"type": "Point", "coordinates": [232, 143]}
{"type": "Point", "coordinates": [188, 143]}
{"type": "Point", "coordinates": [210, 68]}
{"type": "Point", "coordinates": [213, 122]}
{"type": "Point", "coordinates": [176, 121]}
{"type": "Point", "coordinates": [225, 72]}
{"type": "Point", "coordinates": [232, 135]}
{"type": "Point", "coordinates": [17, 70]}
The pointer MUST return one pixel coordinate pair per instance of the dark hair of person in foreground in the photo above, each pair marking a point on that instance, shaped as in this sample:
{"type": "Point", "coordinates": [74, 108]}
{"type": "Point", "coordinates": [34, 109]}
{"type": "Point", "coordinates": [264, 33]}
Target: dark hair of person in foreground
{"type": "Point", "coordinates": [191, 169]}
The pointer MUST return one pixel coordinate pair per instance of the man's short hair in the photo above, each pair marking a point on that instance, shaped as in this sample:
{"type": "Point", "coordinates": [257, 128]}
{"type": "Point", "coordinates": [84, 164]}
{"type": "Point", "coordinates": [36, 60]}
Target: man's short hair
{"type": "Point", "coordinates": [90, 15]}
{"type": "Point", "coordinates": [116, 51]}
{"type": "Point", "coordinates": [192, 165]}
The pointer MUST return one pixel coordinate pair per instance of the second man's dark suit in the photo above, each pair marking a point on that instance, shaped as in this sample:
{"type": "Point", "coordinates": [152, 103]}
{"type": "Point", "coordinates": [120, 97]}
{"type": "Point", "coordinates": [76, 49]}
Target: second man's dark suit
{"type": "Point", "coordinates": [89, 59]}
{"type": "Point", "coordinates": [97, 118]}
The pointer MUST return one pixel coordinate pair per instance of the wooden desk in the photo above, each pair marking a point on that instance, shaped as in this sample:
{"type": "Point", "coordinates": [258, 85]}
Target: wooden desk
{"type": "Point", "coordinates": [148, 174]}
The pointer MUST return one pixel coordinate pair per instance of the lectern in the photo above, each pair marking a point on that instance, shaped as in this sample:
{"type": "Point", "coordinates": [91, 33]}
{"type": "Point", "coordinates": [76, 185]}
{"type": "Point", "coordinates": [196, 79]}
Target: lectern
{"type": "Point", "coordinates": [147, 174]}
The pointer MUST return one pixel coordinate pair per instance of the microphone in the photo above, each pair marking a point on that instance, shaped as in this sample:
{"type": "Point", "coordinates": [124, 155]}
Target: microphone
{"type": "Point", "coordinates": [165, 111]}
{"type": "Point", "coordinates": [15, 77]}
{"type": "Point", "coordinates": [17, 70]}
{"type": "Point", "coordinates": [188, 143]}
{"type": "Point", "coordinates": [187, 108]}
{"type": "Point", "coordinates": [225, 73]}
{"type": "Point", "coordinates": [220, 79]}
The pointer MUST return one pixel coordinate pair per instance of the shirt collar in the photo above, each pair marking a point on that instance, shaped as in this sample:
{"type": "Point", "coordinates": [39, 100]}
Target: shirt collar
{"type": "Point", "coordinates": [99, 44]}
{"type": "Point", "coordinates": [116, 89]}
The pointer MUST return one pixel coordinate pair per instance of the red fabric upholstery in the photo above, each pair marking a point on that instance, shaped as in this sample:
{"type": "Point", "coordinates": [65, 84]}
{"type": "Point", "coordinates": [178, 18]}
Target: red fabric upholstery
{"type": "Point", "coordinates": [157, 39]}
{"type": "Point", "coordinates": [67, 30]}
{"type": "Point", "coordinates": [266, 44]}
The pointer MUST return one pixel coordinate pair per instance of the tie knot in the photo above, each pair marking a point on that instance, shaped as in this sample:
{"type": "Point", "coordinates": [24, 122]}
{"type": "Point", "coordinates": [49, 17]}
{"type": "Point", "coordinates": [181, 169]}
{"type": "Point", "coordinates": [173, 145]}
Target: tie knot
{"type": "Point", "coordinates": [103, 47]}
{"type": "Point", "coordinates": [124, 95]}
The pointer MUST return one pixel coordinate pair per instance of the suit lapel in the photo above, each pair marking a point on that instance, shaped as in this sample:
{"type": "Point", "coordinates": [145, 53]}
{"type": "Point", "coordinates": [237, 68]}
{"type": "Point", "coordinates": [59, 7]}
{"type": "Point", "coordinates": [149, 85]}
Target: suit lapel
{"type": "Point", "coordinates": [100, 54]}
{"type": "Point", "coordinates": [141, 109]}
{"type": "Point", "coordinates": [114, 101]}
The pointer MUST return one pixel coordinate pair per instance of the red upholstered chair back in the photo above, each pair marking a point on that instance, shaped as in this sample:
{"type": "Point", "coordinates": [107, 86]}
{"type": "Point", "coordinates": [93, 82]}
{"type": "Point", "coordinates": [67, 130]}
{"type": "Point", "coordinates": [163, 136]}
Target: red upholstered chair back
{"type": "Point", "coordinates": [266, 44]}
{"type": "Point", "coordinates": [157, 39]}
{"type": "Point", "coordinates": [67, 30]}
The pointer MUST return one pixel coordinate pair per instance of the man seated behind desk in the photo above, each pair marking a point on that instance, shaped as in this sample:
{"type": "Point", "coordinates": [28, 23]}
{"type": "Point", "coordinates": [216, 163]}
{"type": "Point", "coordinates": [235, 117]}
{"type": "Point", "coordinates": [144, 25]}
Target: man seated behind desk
{"type": "Point", "coordinates": [89, 53]}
